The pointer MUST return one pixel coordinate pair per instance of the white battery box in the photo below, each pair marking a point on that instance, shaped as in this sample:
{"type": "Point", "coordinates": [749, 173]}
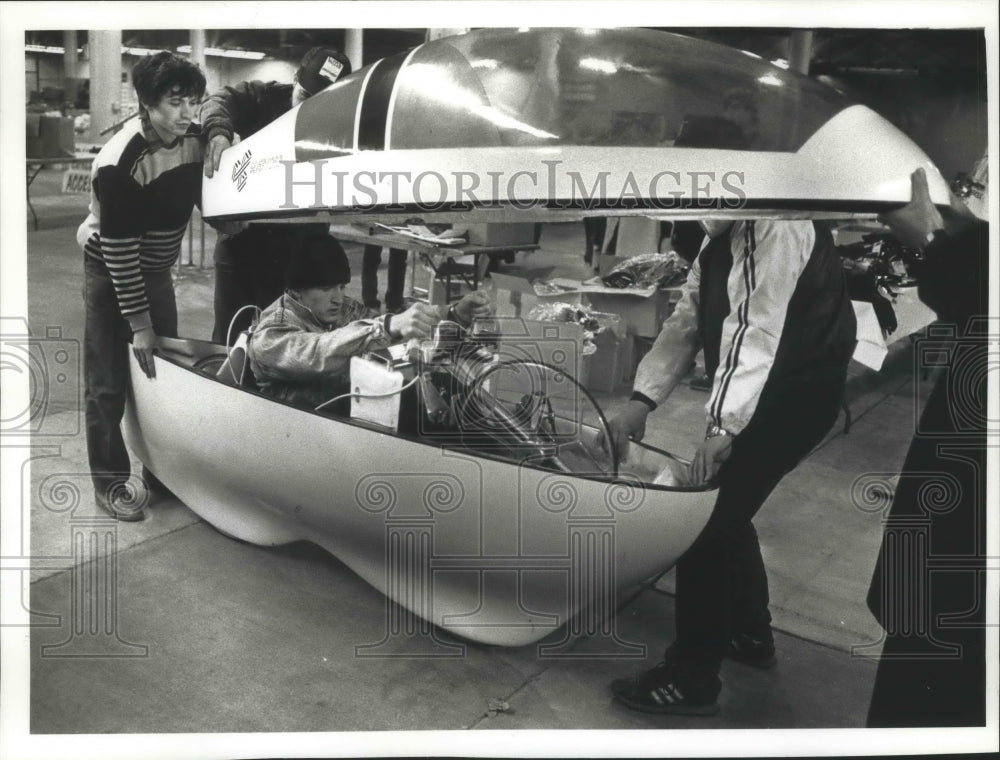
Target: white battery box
{"type": "Point", "coordinates": [376, 386]}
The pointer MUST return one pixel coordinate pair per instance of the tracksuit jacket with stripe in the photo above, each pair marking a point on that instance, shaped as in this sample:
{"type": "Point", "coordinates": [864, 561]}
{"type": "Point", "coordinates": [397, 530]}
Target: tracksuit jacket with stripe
{"type": "Point", "coordinates": [142, 195]}
{"type": "Point", "coordinates": [768, 304]}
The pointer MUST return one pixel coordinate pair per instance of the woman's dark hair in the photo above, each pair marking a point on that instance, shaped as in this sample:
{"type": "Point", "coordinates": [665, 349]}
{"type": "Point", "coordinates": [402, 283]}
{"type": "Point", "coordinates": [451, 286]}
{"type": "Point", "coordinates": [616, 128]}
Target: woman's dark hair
{"type": "Point", "coordinates": [164, 73]}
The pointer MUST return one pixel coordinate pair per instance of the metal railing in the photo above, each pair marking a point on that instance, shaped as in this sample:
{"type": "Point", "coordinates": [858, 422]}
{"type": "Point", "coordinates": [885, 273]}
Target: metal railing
{"type": "Point", "coordinates": [193, 247]}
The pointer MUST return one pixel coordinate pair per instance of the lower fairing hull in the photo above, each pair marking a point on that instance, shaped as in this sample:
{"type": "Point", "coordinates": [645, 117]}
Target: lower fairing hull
{"type": "Point", "coordinates": [493, 551]}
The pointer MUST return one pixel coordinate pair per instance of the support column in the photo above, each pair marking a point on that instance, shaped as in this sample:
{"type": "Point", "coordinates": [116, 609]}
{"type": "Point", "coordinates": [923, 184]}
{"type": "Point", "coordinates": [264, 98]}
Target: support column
{"type": "Point", "coordinates": [436, 34]}
{"type": "Point", "coordinates": [71, 81]}
{"type": "Point", "coordinates": [354, 47]}
{"type": "Point", "coordinates": [198, 55]}
{"type": "Point", "coordinates": [800, 50]}
{"type": "Point", "coordinates": [105, 81]}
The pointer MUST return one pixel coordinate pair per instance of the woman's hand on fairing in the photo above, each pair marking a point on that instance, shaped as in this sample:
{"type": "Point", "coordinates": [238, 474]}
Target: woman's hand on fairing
{"type": "Point", "coordinates": [143, 342]}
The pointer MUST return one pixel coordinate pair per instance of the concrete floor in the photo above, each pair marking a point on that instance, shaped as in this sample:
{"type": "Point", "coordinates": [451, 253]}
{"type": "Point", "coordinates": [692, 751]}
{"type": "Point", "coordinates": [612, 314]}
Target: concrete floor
{"type": "Point", "coordinates": [215, 635]}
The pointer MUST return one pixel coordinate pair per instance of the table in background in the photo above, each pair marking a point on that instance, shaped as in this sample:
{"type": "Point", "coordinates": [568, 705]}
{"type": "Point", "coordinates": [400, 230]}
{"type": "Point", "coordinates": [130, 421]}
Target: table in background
{"type": "Point", "coordinates": [447, 269]}
{"type": "Point", "coordinates": [34, 165]}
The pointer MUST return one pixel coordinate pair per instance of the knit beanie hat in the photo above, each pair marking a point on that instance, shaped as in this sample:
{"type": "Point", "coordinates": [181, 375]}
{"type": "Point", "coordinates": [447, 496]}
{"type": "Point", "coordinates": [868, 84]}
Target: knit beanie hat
{"type": "Point", "coordinates": [318, 262]}
{"type": "Point", "coordinates": [320, 68]}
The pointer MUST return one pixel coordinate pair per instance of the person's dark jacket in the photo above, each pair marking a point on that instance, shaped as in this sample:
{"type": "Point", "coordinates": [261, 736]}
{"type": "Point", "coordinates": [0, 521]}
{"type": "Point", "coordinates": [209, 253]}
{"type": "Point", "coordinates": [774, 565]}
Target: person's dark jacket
{"type": "Point", "coordinates": [244, 108]}
{"type": "Point", "coordinates": [952, 278]}
{"type": "Point", "coordinates": [928, 586]}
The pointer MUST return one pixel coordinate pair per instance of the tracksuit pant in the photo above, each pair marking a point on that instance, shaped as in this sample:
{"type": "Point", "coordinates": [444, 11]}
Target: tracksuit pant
{"type": "Point", "coordinates": [721, 582]}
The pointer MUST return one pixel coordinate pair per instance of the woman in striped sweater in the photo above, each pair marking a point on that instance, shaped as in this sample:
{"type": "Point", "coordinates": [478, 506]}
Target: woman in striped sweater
{"type": "Point", "coordinates": [144, 184]}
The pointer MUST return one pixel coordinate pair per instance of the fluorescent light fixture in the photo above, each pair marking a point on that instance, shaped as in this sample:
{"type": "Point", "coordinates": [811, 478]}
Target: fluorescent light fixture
{"type": "Point", "coordinates": [139, 51]}
{"type": "Point", "coordinates": [770, 79]}
{"type": "Point", "coordinates": [249, 55]}
{"type": "Point", "coordinates": [55, 49]}
{"type": "Point", "coordinates": [781, 63]}
{"type": "Point", "coordinates": [486, 63]}
{"type": "Point", "coordinates": [598, 64]}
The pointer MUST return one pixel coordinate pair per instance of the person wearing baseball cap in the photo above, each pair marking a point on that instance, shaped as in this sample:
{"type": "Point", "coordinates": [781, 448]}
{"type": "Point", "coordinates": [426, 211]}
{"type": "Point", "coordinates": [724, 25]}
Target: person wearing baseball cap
{"type": "Point", "coordinates": [320, 68]}
{"type": "Point", "coordinates": [249, 263]}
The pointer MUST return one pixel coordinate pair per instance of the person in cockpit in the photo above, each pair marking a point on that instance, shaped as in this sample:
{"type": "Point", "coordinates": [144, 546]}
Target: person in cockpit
{"type": "Point", "coordinates": [301, 347]}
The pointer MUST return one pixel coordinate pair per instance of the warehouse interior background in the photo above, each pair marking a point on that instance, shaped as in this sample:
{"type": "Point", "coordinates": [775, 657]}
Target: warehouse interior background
{"type": "Point", "coordinates": [929, 83]}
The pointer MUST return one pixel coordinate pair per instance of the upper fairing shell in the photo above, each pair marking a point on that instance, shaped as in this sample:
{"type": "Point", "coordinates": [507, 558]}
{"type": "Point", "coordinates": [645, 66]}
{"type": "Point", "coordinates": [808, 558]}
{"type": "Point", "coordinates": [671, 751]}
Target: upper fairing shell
{"type": "Point", "coordinates": [564, 123]}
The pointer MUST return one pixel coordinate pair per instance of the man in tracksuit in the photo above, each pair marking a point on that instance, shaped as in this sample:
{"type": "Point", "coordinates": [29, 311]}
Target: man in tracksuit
{"type": "Point", "coordinates": [249, 265]}
{"type": "Point", "coordinates": [767, 302]}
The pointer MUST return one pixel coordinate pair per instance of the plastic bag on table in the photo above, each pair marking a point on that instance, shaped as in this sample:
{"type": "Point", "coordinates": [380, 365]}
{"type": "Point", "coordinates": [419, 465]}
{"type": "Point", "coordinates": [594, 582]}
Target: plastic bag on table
{"type": "Point", "coordinates": [661, 270]}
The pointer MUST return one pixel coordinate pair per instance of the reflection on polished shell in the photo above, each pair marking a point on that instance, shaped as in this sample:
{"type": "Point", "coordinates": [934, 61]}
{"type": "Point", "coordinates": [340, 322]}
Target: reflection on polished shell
{"type": "Point", "coordinates": [543, 88]}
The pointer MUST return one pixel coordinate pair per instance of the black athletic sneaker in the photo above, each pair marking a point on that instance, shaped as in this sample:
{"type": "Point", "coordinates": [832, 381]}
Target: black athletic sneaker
{"type": "Point", "coordinates": [758, 653]}
{"type": "Point", "coordinates": [668, 689]}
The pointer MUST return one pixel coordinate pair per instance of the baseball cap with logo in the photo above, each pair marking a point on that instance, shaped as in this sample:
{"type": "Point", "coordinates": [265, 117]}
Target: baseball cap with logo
{"type": "Point", "coordinates": [320, 68]}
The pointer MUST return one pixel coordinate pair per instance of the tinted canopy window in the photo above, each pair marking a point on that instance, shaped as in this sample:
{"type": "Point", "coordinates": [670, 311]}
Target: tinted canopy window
{"type": "Point", "coordinates": [618, 87]}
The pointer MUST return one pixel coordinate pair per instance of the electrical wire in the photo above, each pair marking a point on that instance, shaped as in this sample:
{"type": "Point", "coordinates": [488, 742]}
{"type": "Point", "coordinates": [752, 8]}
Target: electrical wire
{"type": "Point", "coordinates": [229, 335]}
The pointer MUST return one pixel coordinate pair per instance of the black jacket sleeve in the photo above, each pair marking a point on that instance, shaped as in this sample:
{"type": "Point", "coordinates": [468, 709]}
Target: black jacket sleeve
{"type": "Point", "coordinates": [953, 277]}
{"type": "Point", "coordinates": [244, 108]}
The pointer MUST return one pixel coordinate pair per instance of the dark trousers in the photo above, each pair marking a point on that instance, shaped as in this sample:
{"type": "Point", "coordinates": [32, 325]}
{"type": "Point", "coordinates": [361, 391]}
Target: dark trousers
{"type": "Point", "coordinates": [721, 581]}
{"type": "Point", "coordinates": [928, 590]}
{"type": "Point", "coordinates": [250, 270]}
{"type": "Point", "coordinates": [105, 350]}
{"type": "Point", "coordinates": [370, 262]}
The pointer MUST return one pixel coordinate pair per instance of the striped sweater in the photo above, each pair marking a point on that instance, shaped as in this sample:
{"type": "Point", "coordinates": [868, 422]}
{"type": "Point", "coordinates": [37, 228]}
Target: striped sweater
{"type": "Point", "coordinates": [142, 194]}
